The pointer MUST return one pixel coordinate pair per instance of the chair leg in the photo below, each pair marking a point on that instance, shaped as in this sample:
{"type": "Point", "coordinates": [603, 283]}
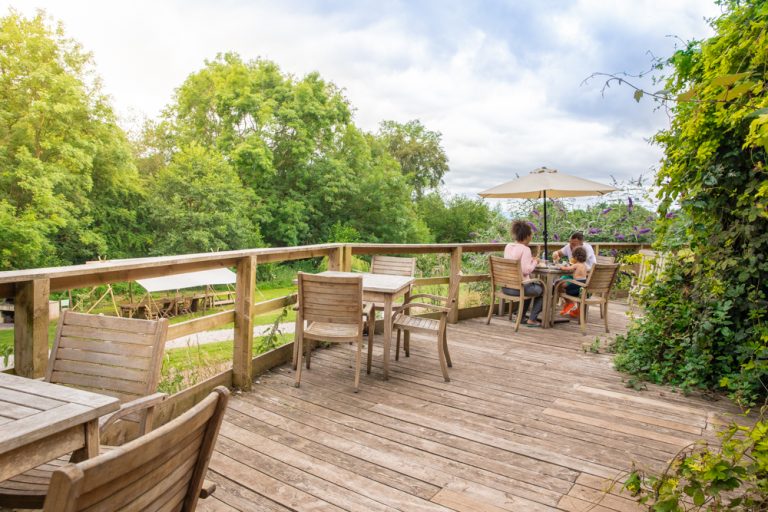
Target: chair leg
{"type": "Point", "coordinates": [490, 309]}
{"type": "Point", "coordinates": [521, 303]}
{"type": "Point", "coordinates": [604, 311]}
{"type": "Point", "coordinates": [445, 349]}
{"type": "Point", "coordinates": [308, 355]}
{"type": "Point", "coordinates": [407, 343]}
{"type": "Point", "coordinates": [299, 348]}
{"type": "Point", "coordinates": [397, 346]}
{"type": "Point", "coordinates": [583, 318]}
{"type": "Point", "coordinates": [441, 354]}
{"type": "Point", "coordinates": [371, 325]}
{"type": "Point", "coordinates": [358, 357]}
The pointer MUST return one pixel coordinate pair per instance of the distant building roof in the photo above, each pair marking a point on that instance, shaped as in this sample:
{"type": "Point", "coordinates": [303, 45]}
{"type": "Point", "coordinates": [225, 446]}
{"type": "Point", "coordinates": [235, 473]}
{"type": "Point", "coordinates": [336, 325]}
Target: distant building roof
{"type": "Point", "coordinates": [188, 280]}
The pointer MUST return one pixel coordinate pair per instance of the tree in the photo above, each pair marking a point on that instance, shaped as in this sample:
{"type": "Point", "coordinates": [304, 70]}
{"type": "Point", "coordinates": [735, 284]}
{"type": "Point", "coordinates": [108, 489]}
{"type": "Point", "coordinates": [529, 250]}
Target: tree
{"type": "Point", "coordinates": [62, 156]}
{"type": "Point", "coordinates": [457, 219]}
{"type": "Point", "coordinates": [293, 143]}
{"type": "Point", "coordinates": [418, 151]}
{"type": "Point", "coordinates": [198, 204]}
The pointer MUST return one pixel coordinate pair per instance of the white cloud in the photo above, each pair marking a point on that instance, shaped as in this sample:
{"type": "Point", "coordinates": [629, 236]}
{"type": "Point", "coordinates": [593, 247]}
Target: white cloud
{"type": "Point", "coordinates": [505, 102]}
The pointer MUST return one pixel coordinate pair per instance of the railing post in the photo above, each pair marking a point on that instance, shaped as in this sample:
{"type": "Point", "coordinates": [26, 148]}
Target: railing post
{"type": "Point", "coordinates": [30, 328]}
{"type": "Point", "coordinates": [242, 357]}
{"type": "Point", "coordinates": [347, 259]}
{"type": "Point", "coordinates": [335, 258]}
{"type": "Point", "coordinates": [456, 252]}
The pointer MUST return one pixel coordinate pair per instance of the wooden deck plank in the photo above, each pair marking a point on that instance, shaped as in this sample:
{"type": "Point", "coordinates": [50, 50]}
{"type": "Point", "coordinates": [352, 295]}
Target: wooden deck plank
{"type": "Point", "coordinates": [529, 422]}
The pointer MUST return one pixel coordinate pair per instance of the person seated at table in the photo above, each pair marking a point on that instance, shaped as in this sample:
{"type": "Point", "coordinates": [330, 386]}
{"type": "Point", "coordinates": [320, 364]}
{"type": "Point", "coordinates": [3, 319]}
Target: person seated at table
{"type": "Point", "coordinates": [579, 269]}
{"type": "Point", "coordinates": [576, 240]}
{"type": "Point", "coordinates": [520, 250]}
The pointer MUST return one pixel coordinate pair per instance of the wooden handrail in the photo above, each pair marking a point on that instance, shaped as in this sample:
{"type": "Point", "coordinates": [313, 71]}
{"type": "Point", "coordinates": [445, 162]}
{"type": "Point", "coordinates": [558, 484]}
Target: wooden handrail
{"type": "Point", "coordinates": [31, 289]}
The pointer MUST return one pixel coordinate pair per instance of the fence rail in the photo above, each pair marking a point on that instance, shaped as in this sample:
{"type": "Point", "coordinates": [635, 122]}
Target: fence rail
{"type": "Point", "coordinates": [31, 289]}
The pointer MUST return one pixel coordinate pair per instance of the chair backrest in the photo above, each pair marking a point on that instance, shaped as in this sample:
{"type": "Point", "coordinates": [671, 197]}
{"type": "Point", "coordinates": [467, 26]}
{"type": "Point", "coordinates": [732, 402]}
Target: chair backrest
{"type": "Point", "coordinates": [505, 272]}
{"type": "Point", "coordinates": [331, 299]}
{"type": "Point", "coordinates": [119, 357]}
{"type": "Point", "coordinates": [601, 277]}
{"type": "Point", "coordinates": [604, 259]}
{"type": "Point", "coordinates": [163, 470]}
{"type": "Point", "coordinates": [394, 266]}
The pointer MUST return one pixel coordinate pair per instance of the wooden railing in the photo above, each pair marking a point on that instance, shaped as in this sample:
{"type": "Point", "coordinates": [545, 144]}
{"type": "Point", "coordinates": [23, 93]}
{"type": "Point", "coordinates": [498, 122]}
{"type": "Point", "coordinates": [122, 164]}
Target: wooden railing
{"type": "Point", "coordinates": [31, 289]}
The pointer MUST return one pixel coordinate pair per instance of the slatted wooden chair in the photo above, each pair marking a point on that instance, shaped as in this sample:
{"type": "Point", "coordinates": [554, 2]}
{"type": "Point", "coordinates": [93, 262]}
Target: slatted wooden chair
{"type": "Point", "coordinates": [651, 264]}
{"type": "Point", "coordinates": [120, 357]}
{"type": "Point", "coordinates": [393, 266]}
{"type": "Point", "coordinates": [162, 470]}
{"type": "Point", "coordinates": [332, 308]}
{"type": "Point", "coordinates": [606, 260]}
{"type": "Point", "coordinates": [404, 321]}
{"type": "Point", "coordinates": [506, 273]}
{"type": "Point", "coordinates": [595, 291]}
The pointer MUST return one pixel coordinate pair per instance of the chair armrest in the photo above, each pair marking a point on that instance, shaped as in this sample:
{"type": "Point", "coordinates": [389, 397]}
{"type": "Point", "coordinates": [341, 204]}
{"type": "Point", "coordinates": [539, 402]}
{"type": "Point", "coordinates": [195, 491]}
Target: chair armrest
{"type": "Point", "coordinates": [579, 283]}
{"type": "Point", "coordinates": [442, 309]}
{"type": "Point", "coordinates": [207, 489]}
{"type": "Point", "coordinates": [145, 402]}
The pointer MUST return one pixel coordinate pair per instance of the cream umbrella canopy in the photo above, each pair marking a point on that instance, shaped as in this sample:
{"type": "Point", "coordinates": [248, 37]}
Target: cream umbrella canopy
{"type": "Point", "coordinates": [547, 183]}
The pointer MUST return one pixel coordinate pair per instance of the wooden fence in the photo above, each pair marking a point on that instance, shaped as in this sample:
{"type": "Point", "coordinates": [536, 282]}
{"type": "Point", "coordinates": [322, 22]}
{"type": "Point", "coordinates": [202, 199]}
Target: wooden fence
{"type": "Point", "coordinates": [31, 289]}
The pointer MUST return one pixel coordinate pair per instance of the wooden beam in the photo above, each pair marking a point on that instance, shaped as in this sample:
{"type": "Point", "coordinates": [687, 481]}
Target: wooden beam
{"type": "Point", "coordinates": [347, 259]}
{"type": "Point", "coordinates": [204, 323]}
{"type": "Point", "coordinates": [273, 304]}
{"type": "Point", "coordinates": [243, 346]}
{"type": "Point", "coordinates": [30, 333]}
{"type": "Point", "coordinates": [455, 280]}
{"type": "Point", "coordinates": [335, 259]}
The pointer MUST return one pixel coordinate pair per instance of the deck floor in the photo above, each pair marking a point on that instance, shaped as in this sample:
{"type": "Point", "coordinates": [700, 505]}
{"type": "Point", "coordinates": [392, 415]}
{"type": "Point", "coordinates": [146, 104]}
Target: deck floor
{"type": "Point", "coordinates": [529, 422]}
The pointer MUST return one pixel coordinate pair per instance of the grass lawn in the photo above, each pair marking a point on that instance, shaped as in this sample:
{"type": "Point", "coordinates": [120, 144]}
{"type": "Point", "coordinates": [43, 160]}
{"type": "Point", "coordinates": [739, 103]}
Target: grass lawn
{"type": "Point", "coordinates": [184, 367]}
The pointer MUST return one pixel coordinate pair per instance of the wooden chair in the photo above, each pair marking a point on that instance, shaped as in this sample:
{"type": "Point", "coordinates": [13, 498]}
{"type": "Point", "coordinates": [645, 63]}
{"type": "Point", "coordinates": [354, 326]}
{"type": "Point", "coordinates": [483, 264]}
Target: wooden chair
{"type": "Point", "coordinates": [605, 260]}
{"type": "Point", "coordinates": [162, 470]}
{"type": "Point", "coordinates": [595, 291]}
{"type": "Point", "coordinates": [404, 321]}
{"type": "Point", "coordinates": [506, 273]}
{"type": "Point", "coordinates": [651, 264]}
{"type": "Point", "coordinates": [333, 309]}
{"type": "Point", "coordinates": [393, 266]}
{"type": "Point", "coordinates": [119, 357]}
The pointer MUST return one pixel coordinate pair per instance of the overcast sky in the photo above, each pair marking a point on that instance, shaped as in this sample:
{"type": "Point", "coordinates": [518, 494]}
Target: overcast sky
{"type": "Point", "coordinates": [501, 80]}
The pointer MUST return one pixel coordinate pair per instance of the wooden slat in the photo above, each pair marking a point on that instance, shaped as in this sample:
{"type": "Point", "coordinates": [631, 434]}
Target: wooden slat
{"type": "Point", "coordinates": [119, 360]}
{"type": "Point", "coordinates": [130, 349]}
{"type": "Point", "coordinates": [202, 324]}
{"type": "Point", "coordinates": [101, 370]}
{"type": "Point", "coordinates": [98, 334]}
{"type": "Point", "coordinates": [103, 322]}
{"type": "Point", "coordinates": [96, 382]}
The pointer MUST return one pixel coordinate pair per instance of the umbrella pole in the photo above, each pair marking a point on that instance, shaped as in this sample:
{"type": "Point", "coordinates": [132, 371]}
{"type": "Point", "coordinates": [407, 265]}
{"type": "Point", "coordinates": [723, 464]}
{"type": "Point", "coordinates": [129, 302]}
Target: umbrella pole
{"type": "Point", "coordinates": [545, 225]}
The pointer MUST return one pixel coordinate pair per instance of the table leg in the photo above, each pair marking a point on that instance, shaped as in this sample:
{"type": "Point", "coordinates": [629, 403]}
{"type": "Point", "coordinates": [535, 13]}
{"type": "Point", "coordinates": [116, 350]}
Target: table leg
{"type": "Point", "coordinates": [387, 333]}
{"type": "Point", "coordinates": [547, 323]}
{"type": "Point", "coordinates": [91, 448]}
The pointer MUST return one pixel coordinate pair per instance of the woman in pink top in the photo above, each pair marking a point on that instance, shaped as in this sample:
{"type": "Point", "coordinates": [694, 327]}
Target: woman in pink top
{"type": "Point", "coordinates": [520, 251]}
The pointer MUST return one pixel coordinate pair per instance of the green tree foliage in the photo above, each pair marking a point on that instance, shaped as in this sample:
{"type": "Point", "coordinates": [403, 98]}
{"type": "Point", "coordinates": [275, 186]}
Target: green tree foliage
{"type": "Point", "coordinates": [714, 168]}
{"type": "Point", "coordinates": [418, 151]}
{"type": "Point", "coordinates": [63, 161]}
{"type": "Point", "coordinates": [457, 219]}
{"type": "Point", "coordinates": [293, 143]}
{"type": "Point", "coordinates": [198, 204]}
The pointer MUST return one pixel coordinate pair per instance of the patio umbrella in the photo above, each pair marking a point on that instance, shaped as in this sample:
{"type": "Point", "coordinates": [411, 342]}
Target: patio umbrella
{"type": "Point", "coordinates": [547, 183]}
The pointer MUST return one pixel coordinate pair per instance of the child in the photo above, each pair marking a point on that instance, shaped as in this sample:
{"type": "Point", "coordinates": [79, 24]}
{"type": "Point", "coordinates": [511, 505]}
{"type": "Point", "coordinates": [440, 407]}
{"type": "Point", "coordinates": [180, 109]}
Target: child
{"type": "Point", "coordinates": [579, 268]}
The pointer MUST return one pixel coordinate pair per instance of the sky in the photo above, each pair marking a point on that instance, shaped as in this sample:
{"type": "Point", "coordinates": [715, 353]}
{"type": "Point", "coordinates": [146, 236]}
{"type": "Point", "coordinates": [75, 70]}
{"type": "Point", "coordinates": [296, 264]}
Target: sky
{"type": "Point", "coordinates": [502, 81]}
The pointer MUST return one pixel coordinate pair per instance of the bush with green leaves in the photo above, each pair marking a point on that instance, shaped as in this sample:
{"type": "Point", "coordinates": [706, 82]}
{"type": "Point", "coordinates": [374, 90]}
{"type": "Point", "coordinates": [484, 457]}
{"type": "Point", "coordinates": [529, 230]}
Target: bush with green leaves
{"type": "Point", "coordinates": [705, 321]}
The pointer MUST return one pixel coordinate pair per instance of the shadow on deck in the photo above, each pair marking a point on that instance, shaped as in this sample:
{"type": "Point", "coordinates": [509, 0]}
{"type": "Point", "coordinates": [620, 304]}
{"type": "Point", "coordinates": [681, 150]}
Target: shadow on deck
{"type": "Point", "coordinates": [529, 422]}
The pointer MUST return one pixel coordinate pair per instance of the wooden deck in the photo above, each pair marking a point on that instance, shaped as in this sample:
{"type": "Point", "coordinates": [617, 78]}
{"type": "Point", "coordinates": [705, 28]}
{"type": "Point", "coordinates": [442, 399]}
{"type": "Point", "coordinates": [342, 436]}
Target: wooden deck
{"type": "Point", "coordinates": [529, 422]}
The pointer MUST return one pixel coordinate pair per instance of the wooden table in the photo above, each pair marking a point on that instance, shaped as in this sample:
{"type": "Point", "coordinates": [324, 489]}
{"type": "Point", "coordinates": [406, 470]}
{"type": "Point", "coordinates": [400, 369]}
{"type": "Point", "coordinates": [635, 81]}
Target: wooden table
{"type": "Point", "coordinates": [548, 275]}
{"type": "Point", "coordinates": [381, 288]}
{"type": "Point", "coordinates": [40, 421]}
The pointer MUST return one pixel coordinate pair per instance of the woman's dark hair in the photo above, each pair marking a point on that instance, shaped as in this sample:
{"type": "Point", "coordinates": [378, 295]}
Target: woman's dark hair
{"type": "Point", "coordinates": [577, 235]}
{"type": "Point", "coordinates": [580, 254]}
{"type": "Point", "coordinates": [520, 230]}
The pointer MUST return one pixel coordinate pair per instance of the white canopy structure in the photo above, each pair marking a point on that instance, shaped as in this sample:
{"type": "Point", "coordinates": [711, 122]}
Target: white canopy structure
{"type": "Point", "coordinates": [188, 280]}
